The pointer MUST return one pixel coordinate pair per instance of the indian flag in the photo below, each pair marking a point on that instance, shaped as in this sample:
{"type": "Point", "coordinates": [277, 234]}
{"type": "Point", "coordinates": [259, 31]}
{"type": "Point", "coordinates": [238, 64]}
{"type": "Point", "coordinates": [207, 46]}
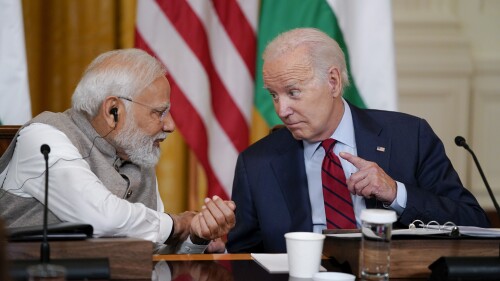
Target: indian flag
{"type": "Point", "coordinates": [363, 30]}
{"type": "Point", "coordinates": [212, 50]}
{"type": "Point", "coordinates": [15, 105]}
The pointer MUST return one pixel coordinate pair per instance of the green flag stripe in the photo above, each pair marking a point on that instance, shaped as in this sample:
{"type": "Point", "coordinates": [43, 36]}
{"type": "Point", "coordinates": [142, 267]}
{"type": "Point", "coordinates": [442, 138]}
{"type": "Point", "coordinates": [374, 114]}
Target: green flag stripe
{"type": "Point", "coordinates": [277, 16]}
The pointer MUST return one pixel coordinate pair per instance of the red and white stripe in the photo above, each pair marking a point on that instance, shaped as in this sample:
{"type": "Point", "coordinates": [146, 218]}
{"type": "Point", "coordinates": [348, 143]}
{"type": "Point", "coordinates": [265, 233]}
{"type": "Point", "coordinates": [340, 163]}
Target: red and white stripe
{"type": "Point", "coordinates": [209, 50]}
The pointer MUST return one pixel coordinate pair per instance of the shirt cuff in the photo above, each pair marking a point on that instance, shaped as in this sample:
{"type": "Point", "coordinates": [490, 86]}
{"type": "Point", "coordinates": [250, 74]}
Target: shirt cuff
{"type": "Point", "coordinates": [399, 204]}
{"type": "Point", "coordinates": [166, 227]}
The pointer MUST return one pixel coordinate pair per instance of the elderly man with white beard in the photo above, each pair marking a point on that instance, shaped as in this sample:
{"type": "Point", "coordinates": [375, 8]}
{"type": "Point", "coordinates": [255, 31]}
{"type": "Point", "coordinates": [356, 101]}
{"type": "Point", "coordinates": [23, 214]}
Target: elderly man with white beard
{"type": "Point", "coordinates": [103, 153]}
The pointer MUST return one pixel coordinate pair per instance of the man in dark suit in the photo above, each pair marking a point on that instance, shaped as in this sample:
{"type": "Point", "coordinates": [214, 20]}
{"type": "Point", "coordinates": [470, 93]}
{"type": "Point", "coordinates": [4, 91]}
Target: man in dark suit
{"type": "Point", "coordinates": [391, 160]}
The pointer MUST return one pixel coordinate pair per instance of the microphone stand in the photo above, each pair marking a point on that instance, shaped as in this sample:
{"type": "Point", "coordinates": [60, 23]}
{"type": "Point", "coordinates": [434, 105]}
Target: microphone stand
{"type": "Point", "coordinates": [460, 141]}
{"type": "Point", "coordinates": [44, 247]}
{"type": "Point", "coordinates": [44, 269]}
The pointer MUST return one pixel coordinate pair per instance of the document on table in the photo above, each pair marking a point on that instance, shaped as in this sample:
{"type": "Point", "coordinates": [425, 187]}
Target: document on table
{"type": "Point", "coordinates": [470, 231]}
{"type": "Point", "coordinates": [274, 263]}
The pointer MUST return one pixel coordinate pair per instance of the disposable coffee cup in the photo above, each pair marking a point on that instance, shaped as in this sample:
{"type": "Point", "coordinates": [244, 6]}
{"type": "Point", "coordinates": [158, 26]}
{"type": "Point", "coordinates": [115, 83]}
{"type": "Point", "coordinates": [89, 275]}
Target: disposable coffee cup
{"type": "Point", "coordinates": [304, 250]}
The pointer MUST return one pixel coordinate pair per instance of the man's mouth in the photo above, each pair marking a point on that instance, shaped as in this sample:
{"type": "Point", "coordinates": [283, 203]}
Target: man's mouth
{"type": "Point", "coordinates": [292, 124]}
{"type": "Point", "coordinates": [157, 142]}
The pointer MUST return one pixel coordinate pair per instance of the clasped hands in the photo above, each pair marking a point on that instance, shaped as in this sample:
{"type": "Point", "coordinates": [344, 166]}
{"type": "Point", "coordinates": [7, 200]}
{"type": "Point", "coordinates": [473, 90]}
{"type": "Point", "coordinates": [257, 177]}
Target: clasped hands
{"type": "Point", "coordinates": [370, 181]}
{"type": "Point", "coordinates": [215, 219]}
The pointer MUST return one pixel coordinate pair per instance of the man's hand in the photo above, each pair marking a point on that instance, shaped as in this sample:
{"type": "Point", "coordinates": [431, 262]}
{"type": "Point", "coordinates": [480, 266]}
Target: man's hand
{"type": "Point", "coordinates": [181, 226]}
{"type": "Point", "coordinates": [370, 180]}
{"type": "Point", "coordinates": [216, 246]}
{"type": "Point", "coordinates": [215, 219]}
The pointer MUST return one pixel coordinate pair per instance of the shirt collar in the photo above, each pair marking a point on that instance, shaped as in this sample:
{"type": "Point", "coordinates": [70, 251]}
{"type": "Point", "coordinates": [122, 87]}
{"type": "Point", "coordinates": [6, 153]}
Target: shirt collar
{"type": "Point", "coordinates": [343, 134]}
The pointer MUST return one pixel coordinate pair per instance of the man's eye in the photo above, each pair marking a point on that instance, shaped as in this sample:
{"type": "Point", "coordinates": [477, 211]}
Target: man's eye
{"type": "Point", "coordinates": [158, 113]}
{"type": "Point", "coordinates": [294, 93]}
{"type": "Point", "coordinates": [274, 96]}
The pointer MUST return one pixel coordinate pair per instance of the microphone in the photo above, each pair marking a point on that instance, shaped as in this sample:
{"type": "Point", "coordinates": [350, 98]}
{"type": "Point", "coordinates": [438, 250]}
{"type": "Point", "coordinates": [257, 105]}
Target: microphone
{"type": "Point", "coordinates": [44, 247]}
{"type": "Point", "coordinates": [45, 150]}
{"type": "Point", "coordinates": [460, 141]}
{"type": "Point", "coordinates": [98, 268]}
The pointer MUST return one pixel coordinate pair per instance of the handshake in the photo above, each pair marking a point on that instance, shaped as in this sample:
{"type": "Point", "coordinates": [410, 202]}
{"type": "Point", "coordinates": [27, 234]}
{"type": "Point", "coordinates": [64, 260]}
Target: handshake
{"type": "Point", "coordinates": [215, 220]}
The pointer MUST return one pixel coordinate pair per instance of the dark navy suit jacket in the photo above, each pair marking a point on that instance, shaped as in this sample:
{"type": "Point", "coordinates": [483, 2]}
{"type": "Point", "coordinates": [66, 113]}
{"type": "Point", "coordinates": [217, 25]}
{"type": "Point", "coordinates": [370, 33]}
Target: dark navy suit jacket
{"type": "Point", "coordinates": [270, 185]}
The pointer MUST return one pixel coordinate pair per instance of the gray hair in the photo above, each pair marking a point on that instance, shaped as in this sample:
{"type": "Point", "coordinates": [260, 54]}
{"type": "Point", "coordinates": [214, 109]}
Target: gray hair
{"type": "Point", "coordinates": [324, 52]}
{"type": "Point", "coordinates": [124, 72]}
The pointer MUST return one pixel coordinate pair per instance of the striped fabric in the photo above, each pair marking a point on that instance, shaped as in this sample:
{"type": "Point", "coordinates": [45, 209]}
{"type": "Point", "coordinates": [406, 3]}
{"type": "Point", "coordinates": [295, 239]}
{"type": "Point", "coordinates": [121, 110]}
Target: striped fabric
{"type": "Point", "coordinates": [339, 210]}
{"type": "Point", "coordinates": [209, 49]}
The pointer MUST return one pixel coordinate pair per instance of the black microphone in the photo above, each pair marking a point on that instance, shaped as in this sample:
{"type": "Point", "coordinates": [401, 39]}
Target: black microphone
{"type": "Point", "coordinates": [460, 141]}
{"type": "Point", "coordinates": [44, 247]}
{"type": "Point", "coordinates": [97, 268]}
{"type": "Point", "coordinates": [45, 150]}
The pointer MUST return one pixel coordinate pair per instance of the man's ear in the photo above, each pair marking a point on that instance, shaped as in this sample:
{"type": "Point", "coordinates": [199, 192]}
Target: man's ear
{"type": "Point", "coordinates": [335, 81]}
{"type": "Point", "coordinates": [110, 110]}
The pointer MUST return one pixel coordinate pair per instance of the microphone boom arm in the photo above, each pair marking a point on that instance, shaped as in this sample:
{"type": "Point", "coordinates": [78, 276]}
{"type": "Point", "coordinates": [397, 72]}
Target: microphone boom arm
{"type": "Point", "coordinates": [460, 141]}
{"type": "Point", "coordinates": [488, 188]}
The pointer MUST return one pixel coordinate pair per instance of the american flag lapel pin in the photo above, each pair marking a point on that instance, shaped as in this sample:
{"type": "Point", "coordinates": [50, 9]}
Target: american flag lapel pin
{"type": "Point", "coordinates": [381, 148]}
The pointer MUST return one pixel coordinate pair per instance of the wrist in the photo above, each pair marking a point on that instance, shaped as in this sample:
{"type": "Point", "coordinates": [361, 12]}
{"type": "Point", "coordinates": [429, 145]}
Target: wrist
{"type": "Point", "coordinates": [173, 237]}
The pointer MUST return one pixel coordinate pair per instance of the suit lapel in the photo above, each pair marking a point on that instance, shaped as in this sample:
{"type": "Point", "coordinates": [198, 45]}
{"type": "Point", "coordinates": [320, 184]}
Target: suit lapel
{"type": "Point", "coordinates": [289, 170]}
{"type": "Point", "coordinates": [373, 143]}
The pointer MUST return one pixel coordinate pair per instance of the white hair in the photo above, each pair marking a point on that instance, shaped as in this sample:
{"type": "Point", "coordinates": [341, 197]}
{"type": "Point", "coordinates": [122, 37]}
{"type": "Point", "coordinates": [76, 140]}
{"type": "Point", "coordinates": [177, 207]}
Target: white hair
{"type": "Point", "coordinates": [124, 72]}
{"type": "Point", "coordinates": [323, 51]}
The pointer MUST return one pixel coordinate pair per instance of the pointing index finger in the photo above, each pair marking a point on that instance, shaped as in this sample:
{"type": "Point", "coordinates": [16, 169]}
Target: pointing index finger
{"type": "Point", "coordinates": [355, 160]}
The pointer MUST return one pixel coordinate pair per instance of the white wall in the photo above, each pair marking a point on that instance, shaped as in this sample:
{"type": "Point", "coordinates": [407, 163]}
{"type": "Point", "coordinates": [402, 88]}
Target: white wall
{"type": "Point", "coordinates": [448, 67]}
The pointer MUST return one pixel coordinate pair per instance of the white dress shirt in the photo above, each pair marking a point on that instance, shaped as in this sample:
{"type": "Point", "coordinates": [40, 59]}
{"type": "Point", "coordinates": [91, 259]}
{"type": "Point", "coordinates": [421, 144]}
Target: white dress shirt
{"type": "Point", "coordinates": [313, 158]}
{"type": "Point", "coordinates": [76, 194]}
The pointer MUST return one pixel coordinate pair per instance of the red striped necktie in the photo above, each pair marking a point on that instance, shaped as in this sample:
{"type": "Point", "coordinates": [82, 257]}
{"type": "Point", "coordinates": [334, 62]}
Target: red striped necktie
{"type": "Point", "coordinates": [338, 203]}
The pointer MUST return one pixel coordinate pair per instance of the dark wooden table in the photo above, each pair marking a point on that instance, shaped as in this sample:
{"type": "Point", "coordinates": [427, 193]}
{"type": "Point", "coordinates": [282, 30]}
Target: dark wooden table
{"type": "Point", "coordinates": [224, 267]}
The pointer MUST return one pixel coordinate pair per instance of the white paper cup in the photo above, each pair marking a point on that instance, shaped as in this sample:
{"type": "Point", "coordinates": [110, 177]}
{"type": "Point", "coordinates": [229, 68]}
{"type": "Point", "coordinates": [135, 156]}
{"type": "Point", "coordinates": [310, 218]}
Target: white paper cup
{"type": "Point", "coordinates": [304, 251]}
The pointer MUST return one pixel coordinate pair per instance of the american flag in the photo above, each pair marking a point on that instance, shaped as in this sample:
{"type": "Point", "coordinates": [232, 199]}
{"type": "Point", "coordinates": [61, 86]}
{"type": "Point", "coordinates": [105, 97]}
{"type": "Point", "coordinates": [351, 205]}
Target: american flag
{"type": "Point", "coordinates": [209, 49]}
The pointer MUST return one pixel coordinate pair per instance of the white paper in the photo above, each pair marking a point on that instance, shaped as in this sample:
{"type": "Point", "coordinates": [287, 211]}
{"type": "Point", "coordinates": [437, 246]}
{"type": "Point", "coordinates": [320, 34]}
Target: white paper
{"type": "Point", "coordinates": [274, 263]}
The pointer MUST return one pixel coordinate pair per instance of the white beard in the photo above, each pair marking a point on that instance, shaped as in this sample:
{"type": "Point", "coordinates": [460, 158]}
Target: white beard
{"type": "Point", "coordinates": [138, 146]}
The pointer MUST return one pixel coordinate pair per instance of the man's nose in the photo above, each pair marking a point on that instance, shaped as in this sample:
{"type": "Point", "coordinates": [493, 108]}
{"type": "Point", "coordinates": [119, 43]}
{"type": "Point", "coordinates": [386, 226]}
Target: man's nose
{"type": "Point", "coordinates": [168, 123]}
{"type": "Point", "coordinates": [283, 108]}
